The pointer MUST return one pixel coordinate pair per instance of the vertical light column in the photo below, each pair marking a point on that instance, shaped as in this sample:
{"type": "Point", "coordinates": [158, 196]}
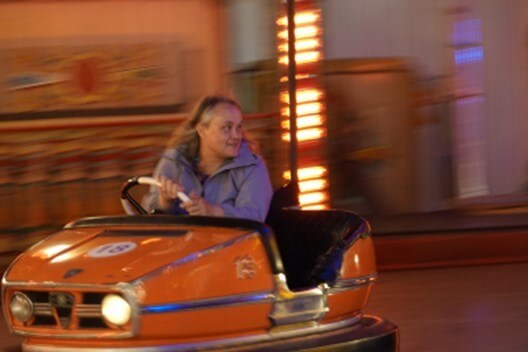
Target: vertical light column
{"type": "Point", "coordinates": [312, 170]}
{"type": "Point", "coordinates": [469, 102]}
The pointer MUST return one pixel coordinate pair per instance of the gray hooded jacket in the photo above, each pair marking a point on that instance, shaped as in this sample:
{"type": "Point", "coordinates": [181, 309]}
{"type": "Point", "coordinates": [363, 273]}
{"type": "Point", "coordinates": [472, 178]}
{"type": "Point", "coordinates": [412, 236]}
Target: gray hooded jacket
{"type": "Point", "coordinates": [241, 186]}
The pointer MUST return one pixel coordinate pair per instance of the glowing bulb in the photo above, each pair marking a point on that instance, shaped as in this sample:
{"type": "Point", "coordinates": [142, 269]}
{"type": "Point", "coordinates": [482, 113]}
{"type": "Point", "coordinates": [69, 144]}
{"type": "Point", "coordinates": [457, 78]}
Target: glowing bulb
{"type": "Point", "coordinates": [303, 96]}
{"type": "Point", "coordinates": [306, 134]}
{"type": "Point", "coordinates": [304, 109]}
{"type": "Point", "coordinates": [306, 95]}
{"type": "Point", "coordinates": [301, 45]}
{"type": "Point", "coordinates": [306, 17]}
{"type": "Point", "coordinates": [312, 185]}
{"type": "Point", "coordinates": [300, 33]}
{"type": "Point", "coordinates": [304, 122]}
{"type": "Point", "coordinates": [312, 198]}
{"type": "Point", "coordinates": [307, 44]}
{"type": "Point", "coordinates": [302, 58]}
{"type": "Point", "coordinates": [307, 57]}
{"type": "Point", "coordinates": [307, 173]}
{"type": "Point", "coordinates": [300, 18]}
{"type": "Point", "coordinates": [306, 32]}
{"type": "Point", "coordinates": [116, 309]}
{"type": "Point", "coordinates": [308, 109]}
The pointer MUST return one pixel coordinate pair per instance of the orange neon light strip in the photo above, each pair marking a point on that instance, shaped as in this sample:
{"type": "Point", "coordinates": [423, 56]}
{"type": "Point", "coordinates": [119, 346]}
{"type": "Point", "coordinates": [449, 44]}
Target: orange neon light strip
{"type": "Point", "coordinates": [307, 173]}
{"type": "Point", "coordinates": [305, 122]}
{"type": "Point", "coordinates": [313, 185]}
{"type": "Point", "coordinates": [302, 45]}
{"type": "Point", "coordinates": [301, 32]}
{"type": "Point", "coordinates": [310, 119]}
{"type": "Point", "coordinates": [304, 109]}
{"type": "Point", "coordinates": [300, 18]}
{"type": "Point", "coordinates": [303, 95]}
{"type": "Point", "coordinates": [313, 198]}
{"type": "Point", "coordinates": [302, 58]}
{"type": "Point", "coordinates": [307, 134]}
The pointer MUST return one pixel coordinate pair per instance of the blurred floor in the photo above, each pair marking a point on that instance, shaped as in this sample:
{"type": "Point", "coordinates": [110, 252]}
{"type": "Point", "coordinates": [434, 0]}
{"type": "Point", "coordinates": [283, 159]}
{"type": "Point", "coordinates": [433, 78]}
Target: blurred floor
{"type": "Point", "coordinates": [478, 308]}
{"type": "Point", "coordinates": [8, 342]}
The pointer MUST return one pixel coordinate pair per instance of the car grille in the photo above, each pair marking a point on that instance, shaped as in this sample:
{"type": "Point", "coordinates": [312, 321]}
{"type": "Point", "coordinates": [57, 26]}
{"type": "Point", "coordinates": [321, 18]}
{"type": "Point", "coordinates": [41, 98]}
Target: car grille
{"type": "Point", "coordinates": [67, 310]}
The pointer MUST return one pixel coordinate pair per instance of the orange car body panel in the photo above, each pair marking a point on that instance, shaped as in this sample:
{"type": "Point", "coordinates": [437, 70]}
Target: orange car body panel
{"type": "Point", "coordinates": [70, 248]}
{"type": "Point", "coordinates": [359, 261]}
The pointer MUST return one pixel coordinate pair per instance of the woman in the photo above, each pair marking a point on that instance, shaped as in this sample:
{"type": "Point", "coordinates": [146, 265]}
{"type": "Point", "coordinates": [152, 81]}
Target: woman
{"type": "Point", "coordinates": [210, 160]}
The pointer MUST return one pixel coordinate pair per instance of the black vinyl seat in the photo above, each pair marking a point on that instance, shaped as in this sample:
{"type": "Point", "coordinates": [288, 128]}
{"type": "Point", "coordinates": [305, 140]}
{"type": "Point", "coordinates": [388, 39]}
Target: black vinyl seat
{"type": "Point", "coordinates": [312, 242]}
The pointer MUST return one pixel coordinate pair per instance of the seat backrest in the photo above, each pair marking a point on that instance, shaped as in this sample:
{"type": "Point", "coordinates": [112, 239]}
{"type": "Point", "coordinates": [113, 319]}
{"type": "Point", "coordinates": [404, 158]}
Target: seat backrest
{"type": "Point", "coordinates": [312, 243]}
{"type": "Point", "coordinates": [286, 196]}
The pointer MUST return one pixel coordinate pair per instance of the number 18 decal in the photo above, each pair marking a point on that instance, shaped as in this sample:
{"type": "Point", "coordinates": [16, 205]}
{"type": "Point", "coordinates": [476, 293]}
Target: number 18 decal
{"type": "Point", "coordinates": [111, 249]}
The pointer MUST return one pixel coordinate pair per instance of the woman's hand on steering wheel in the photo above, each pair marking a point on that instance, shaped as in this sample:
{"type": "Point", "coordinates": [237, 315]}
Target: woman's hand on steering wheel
{"type": "Point", "coordinates": [199, 206]}
{"type": "Point", "coordinates": [168, 191]}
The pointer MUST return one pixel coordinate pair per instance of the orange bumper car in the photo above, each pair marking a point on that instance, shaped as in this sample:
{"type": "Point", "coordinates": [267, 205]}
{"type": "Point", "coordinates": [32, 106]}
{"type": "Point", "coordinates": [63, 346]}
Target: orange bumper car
{"type": "Point", "coordinates": [185, 283]}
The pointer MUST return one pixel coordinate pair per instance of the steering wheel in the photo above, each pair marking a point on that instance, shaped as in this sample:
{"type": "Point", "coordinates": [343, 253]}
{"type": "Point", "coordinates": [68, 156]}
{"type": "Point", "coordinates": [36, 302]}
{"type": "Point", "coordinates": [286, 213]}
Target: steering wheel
{"type": "Point", "coordinates": [130, 205]}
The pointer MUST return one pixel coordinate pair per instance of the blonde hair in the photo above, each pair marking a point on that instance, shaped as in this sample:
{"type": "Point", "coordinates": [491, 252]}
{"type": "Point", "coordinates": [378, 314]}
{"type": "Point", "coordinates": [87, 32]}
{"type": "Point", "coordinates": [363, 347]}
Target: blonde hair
{"type": "Point", "coordinates": [186, 138]}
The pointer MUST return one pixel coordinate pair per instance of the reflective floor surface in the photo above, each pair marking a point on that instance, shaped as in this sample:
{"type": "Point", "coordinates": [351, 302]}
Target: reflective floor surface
{"type": "Point", "coordinates": [478, 308]}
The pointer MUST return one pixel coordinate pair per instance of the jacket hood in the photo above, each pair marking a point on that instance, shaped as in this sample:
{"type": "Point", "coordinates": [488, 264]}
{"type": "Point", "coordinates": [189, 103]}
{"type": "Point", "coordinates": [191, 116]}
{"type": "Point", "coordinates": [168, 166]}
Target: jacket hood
{"type": "Point", "coordinates": [244, 158]}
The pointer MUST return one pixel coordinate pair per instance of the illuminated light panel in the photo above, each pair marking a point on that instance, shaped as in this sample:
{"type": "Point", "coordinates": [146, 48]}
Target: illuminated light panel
{"type": "Point", "coordinates": [303, 96]}
{"type": "Point", "coordinates": [300, 18]}
{"type": "Point", "coordinates": [310, 119]}
{"type": "Point", "coordinates": [316, 207]}
{"type": "Point", "coordinates": [306, 95]}
{"type": "Point", "coordinates": [312, 198]}
{"type": "Point", "coordinates": [306, 134]}
{"type": "Point", "coordinates": [304, 122]}
{"type": "Point", "coordinates": [307, 44]}
{"type": "Point", "coordinates": [309, 109]}
{"type": "Point", "coordinates": [467, 55]}
{"type": "Point", "coordinates": [307, 57]}
{"type": "Point", "coordinates": [313, 185]}
{"type": "Point", "coordinates": [302, 58]}
{"type": "Point", "coordinates": [305, 109]}
{"type": "Point", "coordinates": [302, 45]}
{"type": "Point", "coordinates": [307, 173]}
{"type": "Point", "coordinates": [301, 33]}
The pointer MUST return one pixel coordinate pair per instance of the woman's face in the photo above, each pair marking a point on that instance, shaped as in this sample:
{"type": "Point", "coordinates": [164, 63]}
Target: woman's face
{"type": "Point", "coordinates": [221, 137]}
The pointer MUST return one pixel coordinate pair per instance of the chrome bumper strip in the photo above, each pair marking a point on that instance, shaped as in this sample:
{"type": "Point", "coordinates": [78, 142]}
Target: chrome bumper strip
{"type": "Point", "coordinates": [231, 344]}
{"type": "Point", "coordinates": [228, 301]}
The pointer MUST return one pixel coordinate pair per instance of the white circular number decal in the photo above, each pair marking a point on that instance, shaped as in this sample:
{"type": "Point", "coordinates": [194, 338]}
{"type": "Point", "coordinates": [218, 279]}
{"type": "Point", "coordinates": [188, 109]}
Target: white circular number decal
{"type": "Point", "coordinates": [111, 249]}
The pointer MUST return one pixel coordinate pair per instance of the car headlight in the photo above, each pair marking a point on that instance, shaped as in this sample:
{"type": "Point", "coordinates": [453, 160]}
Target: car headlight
{"type": "Point", "coordinates": [116, 309]}
{"type": "Point", "coordinates": [21, 307]}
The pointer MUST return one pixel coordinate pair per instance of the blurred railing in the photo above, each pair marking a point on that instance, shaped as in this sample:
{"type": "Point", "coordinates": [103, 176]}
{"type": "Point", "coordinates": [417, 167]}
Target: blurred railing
{"type": "Point", "coordinates": [55, 171]}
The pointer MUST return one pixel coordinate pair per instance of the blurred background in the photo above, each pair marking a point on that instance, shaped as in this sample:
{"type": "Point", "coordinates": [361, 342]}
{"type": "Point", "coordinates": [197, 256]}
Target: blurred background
{"type": "Point", "coordinates": [419, 106]}
{"type": "Point", "coordinates": [411, 113]}
{"type": "Point", "coordinates": [410, 106]}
